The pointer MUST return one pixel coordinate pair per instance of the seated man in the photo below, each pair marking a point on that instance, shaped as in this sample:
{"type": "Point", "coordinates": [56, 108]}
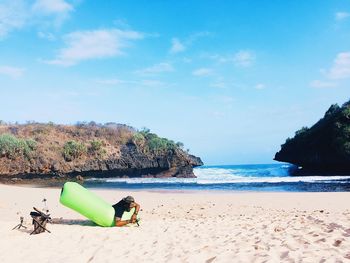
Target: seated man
{"type": "Point", "coordinates": [125, 204]}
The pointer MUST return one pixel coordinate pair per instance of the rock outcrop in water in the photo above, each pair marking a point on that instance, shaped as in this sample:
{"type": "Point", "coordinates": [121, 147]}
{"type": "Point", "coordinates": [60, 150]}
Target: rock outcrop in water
{"type": "Point", "coordinates": [323, 148]}
{"type": "Point", "coordinates": [91, 150]}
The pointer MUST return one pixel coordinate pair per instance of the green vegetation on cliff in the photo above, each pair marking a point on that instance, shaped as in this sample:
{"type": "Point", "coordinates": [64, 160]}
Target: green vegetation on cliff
{"type": "Point", "coordinates": [323, 147]}
{"type": "Point", "coordinates": [36, 148]}
{"type": "Point", "coordinates": [97, 147]}
{"type": "Point", "coordinates": [12, 147]}
{"type": "Point", "coordinates": [73, 150]}
{"type": "Point", "coordinates": [150, 142]}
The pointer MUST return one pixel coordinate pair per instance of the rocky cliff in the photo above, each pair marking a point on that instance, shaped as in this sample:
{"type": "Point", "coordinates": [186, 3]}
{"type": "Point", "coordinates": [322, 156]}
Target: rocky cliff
{"type": "Point", "coordinates": [323, 148]}
{"type": "Point", "coordinates": [91, 150]}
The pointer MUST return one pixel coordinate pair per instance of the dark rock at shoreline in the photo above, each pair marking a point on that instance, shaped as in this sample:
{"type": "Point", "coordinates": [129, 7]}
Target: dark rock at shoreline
{"type": "Point", "coordinates": [322, 149]}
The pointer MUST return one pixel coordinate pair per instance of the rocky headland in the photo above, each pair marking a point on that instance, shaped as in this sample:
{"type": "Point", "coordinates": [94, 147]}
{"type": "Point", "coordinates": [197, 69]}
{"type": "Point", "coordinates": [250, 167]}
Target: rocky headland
{"type": "Point", "coordinates": [49, 151]}
{"type": "Point", "coordinates": [322, 149]}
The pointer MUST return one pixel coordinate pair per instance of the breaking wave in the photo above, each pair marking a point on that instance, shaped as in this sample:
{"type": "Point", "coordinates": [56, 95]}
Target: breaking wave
{"type": "Point", "coordinates": [272, 177]}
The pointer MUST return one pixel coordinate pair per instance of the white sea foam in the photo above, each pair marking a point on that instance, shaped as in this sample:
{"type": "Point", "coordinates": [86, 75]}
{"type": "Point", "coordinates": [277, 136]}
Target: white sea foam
{"type": "Point", "coordinates": [305, 179]}
{"type": "Point", "coordinates": [207, 176]}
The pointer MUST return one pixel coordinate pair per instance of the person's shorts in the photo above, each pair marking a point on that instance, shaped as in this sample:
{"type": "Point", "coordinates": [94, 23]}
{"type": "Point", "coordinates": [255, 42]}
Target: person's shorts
{"type": "Point", "coordinates": [118, 213]}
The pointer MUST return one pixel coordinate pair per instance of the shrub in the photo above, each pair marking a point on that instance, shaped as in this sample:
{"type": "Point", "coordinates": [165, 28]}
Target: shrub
{"type": "Point", "coordinates": [73, 150]}
{"type": "Point", "coordinates": [96, 147]}
{"type": "Point", "coordinates": [180, 145]}
{"type": "Point", "coordinates": [145, 131]}
{"type": "Point", "coordinates": [40, 129]}
{"type": "Point", "coordinates": [32, 144]}
{"type": "Point", "coordinates": [139, 139]}
{"type": "Point", "coordinates": [346, 112]}
{"type": "Point", "coordinates": [346, 147]}
{"type": "Point", "coordinates": [150, 142]}
{"type": "Point", "coordinates": [301, 131]}
{"type": "Point", "coordinates": [12, 147]}
{"type": "Point", "coordinates": [334, 108]}
{"type": "Point", "coordinates": [159, 145]}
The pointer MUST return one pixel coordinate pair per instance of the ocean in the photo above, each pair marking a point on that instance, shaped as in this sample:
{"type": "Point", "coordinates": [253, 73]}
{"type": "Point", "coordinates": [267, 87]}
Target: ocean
{"type": "Point", "coordinates": [262, 177]}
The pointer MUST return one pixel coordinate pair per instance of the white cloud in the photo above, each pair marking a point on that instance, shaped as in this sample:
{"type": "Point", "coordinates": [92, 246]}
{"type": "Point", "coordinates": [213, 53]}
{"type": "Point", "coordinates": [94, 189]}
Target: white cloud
{"type": "Point", "coordinates": [322, 84]}
{"type": "Point", "coordinates": [121, 23]}
{"type": "Point", "coordinates": [341, 15]}
{"type": "Point", "coordinates": [12, 72]}
{"type": "Point", "coordinates": [338, 71]}
{"type": "Point", "coordinates": [13, 15]}
{"type": "Point", "coordinates": [110, 81]}
{"type": "Point", "coordinates": [152, 83]}
{"type": "Point", "coordinates": [85, 45]}
{"type": "Point", "coordinates": [52, 6]}
{"type": "Point", "coordinates": [156, 69]}
{"type": "Point", "coordinates": [193, 37]}
{"type": "Point", "coordinates": [47, 36]}
{"type": "Point", "coordinates": [220, 59]}
{"type": "Point", "coordinates": [244, 58]}
{"type": "Point", "coordinates": [119, 82]}
{"type": "Point", "coordinates": [341, 67]}
{"type": "Point", "coordinates": [260, 86]}
{"type": "Point", "coordinates": [18, 14]}
{"type": "Point", "coordinates": [57, 10]}
{"type": "Point", "coordinates": [177, 46]}
{"type": "Point", "coordinates": [202, 72]}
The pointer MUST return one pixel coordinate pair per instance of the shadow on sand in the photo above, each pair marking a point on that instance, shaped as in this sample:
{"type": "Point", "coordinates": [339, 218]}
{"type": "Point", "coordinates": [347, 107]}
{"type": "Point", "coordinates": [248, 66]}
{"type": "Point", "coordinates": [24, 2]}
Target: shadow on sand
{"type": "Point", "coordinates": [81, 222]}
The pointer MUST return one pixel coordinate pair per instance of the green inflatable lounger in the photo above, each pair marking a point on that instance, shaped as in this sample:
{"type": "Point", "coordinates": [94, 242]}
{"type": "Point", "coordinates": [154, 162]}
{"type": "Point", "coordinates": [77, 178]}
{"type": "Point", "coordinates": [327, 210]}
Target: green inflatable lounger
{"type": "Point", "coordinates": [86, 203]}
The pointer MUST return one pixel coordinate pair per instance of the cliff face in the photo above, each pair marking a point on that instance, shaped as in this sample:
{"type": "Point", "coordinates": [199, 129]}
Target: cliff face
{"type": "Point", "coordinates": [89, 150]}
{"type": "Point", "coordinates": [325, 147]}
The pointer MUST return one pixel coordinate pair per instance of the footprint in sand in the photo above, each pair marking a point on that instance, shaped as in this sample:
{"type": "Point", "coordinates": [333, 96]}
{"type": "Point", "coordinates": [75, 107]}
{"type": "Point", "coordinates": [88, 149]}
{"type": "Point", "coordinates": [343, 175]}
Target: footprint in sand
{"type": "Point", "coordinates": [337, 242]}
{"type": "Point", "coordinates": [347, 256]}
{"type": "Point", "coordinates": [210, 260]}
{"type": "Point", "coordinates": [284, 255]}
{"type": "Point", "coordinates": [320, 240]}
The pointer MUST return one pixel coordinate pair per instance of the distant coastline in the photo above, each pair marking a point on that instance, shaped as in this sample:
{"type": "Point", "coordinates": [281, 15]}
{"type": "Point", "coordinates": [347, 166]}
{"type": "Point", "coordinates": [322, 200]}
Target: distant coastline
{"type": "Point", "coordinates": [59, 152]}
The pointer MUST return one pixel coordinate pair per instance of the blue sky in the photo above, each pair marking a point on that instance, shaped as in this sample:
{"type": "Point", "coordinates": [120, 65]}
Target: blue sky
{"type": "Point", "coordinates": [230, 79]}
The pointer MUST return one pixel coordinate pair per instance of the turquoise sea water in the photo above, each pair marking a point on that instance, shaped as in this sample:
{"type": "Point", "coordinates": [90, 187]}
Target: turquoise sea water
{"type": "Point", "coordinates": [262, 177]}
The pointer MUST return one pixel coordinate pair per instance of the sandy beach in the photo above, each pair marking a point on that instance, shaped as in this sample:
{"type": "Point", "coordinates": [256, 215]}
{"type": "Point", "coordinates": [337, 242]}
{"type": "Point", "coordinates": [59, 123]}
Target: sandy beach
{"type": "Point", "coordinates": [183, 227]}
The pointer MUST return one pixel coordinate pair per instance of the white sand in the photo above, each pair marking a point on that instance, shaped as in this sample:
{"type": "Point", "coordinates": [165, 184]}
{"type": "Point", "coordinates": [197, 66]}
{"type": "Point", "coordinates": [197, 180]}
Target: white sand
{"type": "Point", "coordinates": [183, 227]}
